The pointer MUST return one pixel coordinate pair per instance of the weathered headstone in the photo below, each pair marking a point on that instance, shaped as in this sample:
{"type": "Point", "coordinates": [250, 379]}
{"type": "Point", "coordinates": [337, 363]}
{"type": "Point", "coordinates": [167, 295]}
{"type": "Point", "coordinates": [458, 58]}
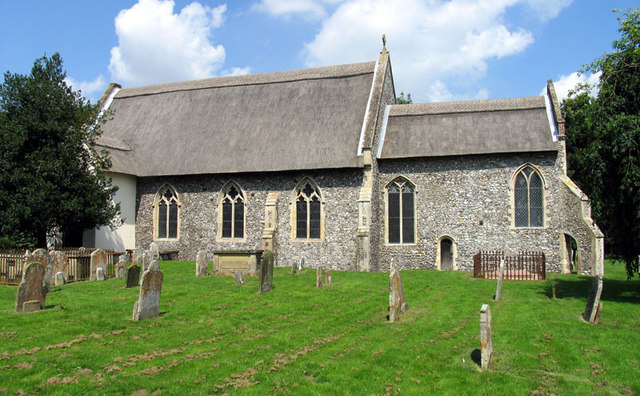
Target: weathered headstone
{"type": "Point", "coordinates": [60, 279]}
{"type": "Point", "coordinates": [397, 304]}
{"type": "Point", "coordinates": [486, 343]}
{"type": "Point", "coordinates": [591, 310]}
{"type": "Point", "coordinates": [327, 277]}
{"type": "Point", "coordinates": [266, 273]}
{"type": "Point", "coordinates": [239, 278]}
{"type": "Point", "coordinates": [100, 274]}
{"type": "Point", "coordinates": [147, 256]}
{"type": "Point", "coordinates": [202, 263]}
{"type": "Point", "coordinates": [32, 306]}
{"type": "Point", "coordinates": [60, 265]}
{"type": "Point", "coordinates": [31, 286]}
{"type": "Point", "coordinates": [318, 277]}
{"type": "Point", "coordinates": [294, 268]}
{"type": "Point", "coordinates": [137, 255]}
{"type": "Point", "coordinates": [500, 278]}
{"type": "Point", "coordinates": [148, 304]}
{"type": "Point", "coordinates": [41, 256]}
{"type": "Point", "coordinates": [155, 251]}
{"type": "Point", "coordinates": [98, 260]}
{"type": "Point", "coordinates": [121, 267]}
{"type": "Point", "coordinates": [133, 275]}
{"type": "Point", "coordinates": [301, 264]}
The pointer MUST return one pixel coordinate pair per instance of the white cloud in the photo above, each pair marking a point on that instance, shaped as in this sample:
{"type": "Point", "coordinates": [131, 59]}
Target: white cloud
{"type": "Point", "coordinates": [313, 9]}
{"type": "Point", "coordinates": [90, 89]}
{"type": "Point", "coordinates": [437, 46]}
{"type": "Point", "coordinates": [568, 83]}
{"type": "Point", "coordinates": [236, 71]}
{"type": "Point", "coordinates": [157, 45]}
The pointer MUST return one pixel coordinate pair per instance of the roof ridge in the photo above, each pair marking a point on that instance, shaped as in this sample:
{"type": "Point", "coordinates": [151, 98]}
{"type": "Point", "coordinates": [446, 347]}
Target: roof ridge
{"type": "Point", "coordinates": [467, 106]}
{"type": "Point", "coordinates": [324, 72]}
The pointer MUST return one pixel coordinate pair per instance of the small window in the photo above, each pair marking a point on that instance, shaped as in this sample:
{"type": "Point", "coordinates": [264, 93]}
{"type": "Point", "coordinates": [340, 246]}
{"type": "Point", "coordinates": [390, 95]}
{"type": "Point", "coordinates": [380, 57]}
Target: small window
{"type": "Point", "coordinates": [308, 211]}
{"type": "Point", "coordinates": [232, 212]}
{"type": "Point", "coordinates": [528, 198]}
{"type": "Point", "coordinates": [400, 212]}
{"type": "Point", "coordinates": [166, 213]}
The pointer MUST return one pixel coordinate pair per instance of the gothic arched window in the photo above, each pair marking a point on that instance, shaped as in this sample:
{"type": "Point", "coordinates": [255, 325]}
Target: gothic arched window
{"type": "Point", "coordinates": [308, 211]}
{"type": "Point", "coordinates": [401, 224]}
{"type": "Point", "coordinates": [166, 208]}
{"type": "Point", "coordinates": [528, 198]}
{"type": "Point", "coordinates": [232, 212]}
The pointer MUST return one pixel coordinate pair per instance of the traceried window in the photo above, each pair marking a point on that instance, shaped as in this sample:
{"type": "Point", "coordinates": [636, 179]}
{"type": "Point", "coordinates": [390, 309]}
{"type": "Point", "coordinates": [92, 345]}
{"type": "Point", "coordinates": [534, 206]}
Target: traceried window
{"type": "Point", "coordinates": [232, 212]}
{"type": "Point", "coordinates": [166, 213]}
{"type": "Point", "coordinates": [400, 212]}
{"type": "Point", "coordinates": [308, 211]}
{"type": "Point", "coordinates": [528, 198]}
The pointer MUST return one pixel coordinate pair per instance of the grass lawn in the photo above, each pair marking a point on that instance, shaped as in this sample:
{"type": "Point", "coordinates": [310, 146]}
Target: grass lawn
{"type": "Point", "coordinates": [216, 337]}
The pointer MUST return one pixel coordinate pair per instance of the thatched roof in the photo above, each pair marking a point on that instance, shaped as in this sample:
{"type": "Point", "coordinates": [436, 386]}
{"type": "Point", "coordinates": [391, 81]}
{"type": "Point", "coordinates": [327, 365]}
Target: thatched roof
{"type": "Point", "coordinates": [295, 120]}
{"type": "Point", "coordinates": [467, 128]}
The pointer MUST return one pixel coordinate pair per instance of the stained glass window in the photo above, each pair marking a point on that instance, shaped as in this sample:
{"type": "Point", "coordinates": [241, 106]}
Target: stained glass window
{"type": "Point", "coordinates": [401, 224]}
{"type": "Point", "coordinates": [167, 213]}
{"type": "Point", "coordinates": [232, 212]}
{"type": "Point", "coordinates": [528, 199]}
{"type": "Point", "coordinates": [308, 211]}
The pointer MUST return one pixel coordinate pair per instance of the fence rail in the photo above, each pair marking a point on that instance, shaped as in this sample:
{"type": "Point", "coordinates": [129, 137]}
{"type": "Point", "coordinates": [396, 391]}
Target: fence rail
{"type": "Point", "coordinates": [12, 263]}
{"type": "Point", "coordinates": [526, 265]}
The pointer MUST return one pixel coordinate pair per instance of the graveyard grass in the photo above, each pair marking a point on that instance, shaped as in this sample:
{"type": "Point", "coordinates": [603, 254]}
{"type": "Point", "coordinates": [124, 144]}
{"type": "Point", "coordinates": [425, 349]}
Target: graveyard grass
{"type": "Point", "coordinates": [217, 337]}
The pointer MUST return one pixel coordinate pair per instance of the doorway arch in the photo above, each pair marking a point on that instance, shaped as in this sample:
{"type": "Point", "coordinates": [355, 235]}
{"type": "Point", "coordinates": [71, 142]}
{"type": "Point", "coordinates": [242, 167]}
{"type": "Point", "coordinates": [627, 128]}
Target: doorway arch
{"type": "Point", "coordinates": [446, 254]}
{"type": "Point", "coordinates": [571, 262]}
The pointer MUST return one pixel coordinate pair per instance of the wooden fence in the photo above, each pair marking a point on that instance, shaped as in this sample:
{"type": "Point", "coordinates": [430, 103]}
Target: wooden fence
{"type": "Point", "coordinates": [12, 263]}
{"type": "Point", "coordinates": [523, 266]}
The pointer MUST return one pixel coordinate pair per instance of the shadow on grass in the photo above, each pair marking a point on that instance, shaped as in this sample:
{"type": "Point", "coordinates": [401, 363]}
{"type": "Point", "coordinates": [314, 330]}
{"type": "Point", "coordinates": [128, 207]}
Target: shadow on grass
{"type": "Point", "coordinates": [613, 290]}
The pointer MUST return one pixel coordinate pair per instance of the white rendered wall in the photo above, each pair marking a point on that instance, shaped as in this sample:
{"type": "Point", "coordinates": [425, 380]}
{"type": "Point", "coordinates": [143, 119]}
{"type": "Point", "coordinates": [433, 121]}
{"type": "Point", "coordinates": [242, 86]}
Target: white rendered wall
{"type": "Point", "coordinates": [124, 237]}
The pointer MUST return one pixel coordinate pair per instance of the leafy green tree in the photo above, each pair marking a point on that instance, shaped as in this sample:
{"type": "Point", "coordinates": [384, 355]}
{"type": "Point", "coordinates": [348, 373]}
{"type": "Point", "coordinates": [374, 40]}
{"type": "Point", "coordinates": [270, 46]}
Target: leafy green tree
{"type": "Point", "coordinates": [51, 177]}
{"type": "Point", "coordinates": [404, 100]}
{"type": "Point", "coordinates": [604, 142]}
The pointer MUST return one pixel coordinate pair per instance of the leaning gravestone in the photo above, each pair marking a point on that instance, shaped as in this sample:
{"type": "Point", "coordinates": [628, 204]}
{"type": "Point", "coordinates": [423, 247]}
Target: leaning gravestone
{"type": "Point", "coordinates": [31, 288]}
{"type": "Point", "coordinates": [148, 304]}
{"type": "Point", "coordinates": [155, 251]}
{"type": "Point", "coordinates": [41, 256]}
{"type": "Point", "coordinates": [239, 278]}
{"type": "Point", "coordinates": [318, 277]}
{"type": "Point", "coordinates": [133, 275]}
{"type": "Point", "coordinates": [486, 342]}
{"type": "Point", "coordinates": [397, 304]}
{"type": "Point", "coordinates": [60, 266]}
{"type": "Point", "coordinates": [98, 260]}
{"type": "Point", "coordinates": [500, 278]}
{"type": "Point", "coordinates": [266, 273]}
{"type": "Point", "coordinates": [202, 263]}
{"type": "Point", "coordinates": [591, 311]}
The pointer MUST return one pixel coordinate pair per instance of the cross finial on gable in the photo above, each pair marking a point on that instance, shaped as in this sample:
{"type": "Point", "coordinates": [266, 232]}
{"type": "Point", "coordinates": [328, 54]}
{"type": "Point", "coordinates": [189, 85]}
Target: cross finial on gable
{"type": "Point", "coordinates": [384, 41]}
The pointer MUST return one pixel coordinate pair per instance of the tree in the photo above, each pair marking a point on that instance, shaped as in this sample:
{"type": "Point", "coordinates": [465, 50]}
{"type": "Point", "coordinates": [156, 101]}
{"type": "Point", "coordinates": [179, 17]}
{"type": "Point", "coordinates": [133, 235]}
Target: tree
{"type": "Point", "coordinates": [52, 178]}
{"type": "Point", "coordinates": [604, 142]}
{"type": "Point", "coordinates": [402, 100]}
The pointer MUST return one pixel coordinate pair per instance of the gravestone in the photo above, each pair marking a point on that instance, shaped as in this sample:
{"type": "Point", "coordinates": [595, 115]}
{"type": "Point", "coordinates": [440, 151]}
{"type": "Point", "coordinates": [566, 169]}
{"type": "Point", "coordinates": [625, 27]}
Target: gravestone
{"type": "Point", "coordinates": [133, 275]}
{"type": "Point", "coordinates": [239, 278]}
{"type": "Point", "coordinates": [301, 264]}
{"type": "Point", "coordinates": [318, 277]}
{"type": "Point", "coordinates": [591, 311]}
{"type": "Point", "coordinates": [100, 274]}
{"type": "Point", "coordinates": [31, 286]}
{"type": "Point", "coordinates": [500, 278]}
{"type": "Point", "coordinates": [327, 277]}
{"type": "Point", "coordinates": [486, 343]}
{"type": "Point", "coordinates": [146, 259]}
{"type": "Point", "coordinates": [155, 251]}
{"type": "Point", "coordinates": [202, 263]}
{"type": "Point", "coordinates": [60, 266]}
{"type": "Point", "coordinates": [266, 273]}
{"type": "Point", "coordinates": [41, 256]}
{"type": "Point", "coordinates": [121, 268]}
{"type": "Point", "coordinates": [148, 304]}
{"type": "Point", "coordinates": [98, 260]}
{"type": "Point", "coordinates": [59, 279]}
{"type": "Point", "coordinates": [397, 304]}
{"type": "Point", "coordinates": [137, 255]}
{"type": "Point", "coordinates": [294, 268]}
{"type": "Point", "coordinates": [32, 306]}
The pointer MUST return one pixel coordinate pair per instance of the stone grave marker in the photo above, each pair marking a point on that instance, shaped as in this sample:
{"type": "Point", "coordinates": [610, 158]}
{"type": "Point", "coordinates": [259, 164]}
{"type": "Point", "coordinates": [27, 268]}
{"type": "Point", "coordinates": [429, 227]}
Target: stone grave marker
{"type": "Point", "coordinates": [486, 343]}
{"type": "Point", "coordinates": [239, 278]}
{"type": "Point", "coordinates": [327, 277]}
{"type": "Point", "coordinates": [60, 266]}
{"type": "Point", "coordinates": [202, 263]}
{"type": "Point", "coordinates": [98, 260]}
{"type": "Point", "coordinates": [301, 264]}
{"type": "Point", "coordinates": [148, 304]}
{"type": "Point", "coordinates": [100, 274]}
{"type": "Point", "coordinates": [137, 256]}
{"type": "Point", "coordinates": [155, 251]}
{"type": "Point", "coordinates": [146, 259]}
{"type": "Point", "coordinates": [32, 306]}
{"type": "Point", "coordinates": [41, 256]}
{"type": "Point", "coordinates": [59, 279]}
{"type": "Point", "coordinates": [31, 287]}
{"type": "Point", "coordinates": [294, 268]}
{"type": "Point", "coordinates": [121, 268]}
{"type": "Point", "coordinates": [500, 278]}
{"type": "Point", "coordinates": [318, 277]}
{"type": "Point", "coordinates": [266, 273]}
{"type": "Point", "coordinates": [133, 275]}
{"type": "Point", "coordinates": [591, 310]}
{"type": "Point", "coordinates": [397, 304]}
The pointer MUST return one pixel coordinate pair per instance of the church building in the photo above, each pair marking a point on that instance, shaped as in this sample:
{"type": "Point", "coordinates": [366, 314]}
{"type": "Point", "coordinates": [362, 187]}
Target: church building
{"type": "Point", "coordinates": [321, 164]}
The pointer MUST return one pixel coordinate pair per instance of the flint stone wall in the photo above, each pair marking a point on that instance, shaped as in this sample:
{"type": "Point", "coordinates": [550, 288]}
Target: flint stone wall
{"type": "Point", "coordinates": [198, 225]}
{"type": "Point", "coordinates": [469, 199]}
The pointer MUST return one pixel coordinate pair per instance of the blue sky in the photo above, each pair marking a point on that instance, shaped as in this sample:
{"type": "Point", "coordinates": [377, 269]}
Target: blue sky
{"type": "Point", "coordinates": [440, 50]}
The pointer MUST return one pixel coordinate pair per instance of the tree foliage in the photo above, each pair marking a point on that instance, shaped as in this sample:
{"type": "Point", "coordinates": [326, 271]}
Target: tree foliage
{"type": "Point", "coordinates": [404, 100]}
{"type": "Point", "coordinates": [51, 178]}
{"type": "Point", "coordinates": [603, 143]}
